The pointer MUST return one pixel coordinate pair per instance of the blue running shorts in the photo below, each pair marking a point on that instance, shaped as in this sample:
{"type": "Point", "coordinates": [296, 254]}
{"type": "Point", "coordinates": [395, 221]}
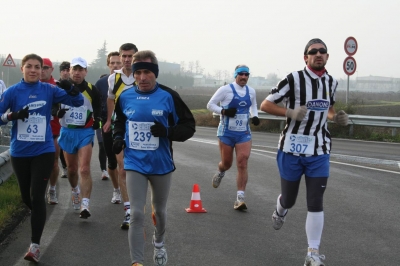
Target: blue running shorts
{"type": "Point", "coordinates": [72, 139]}
{"type": "Point", "coordinates": [292, 167]}
{"type": "Point", "coordinates": [233, 140]}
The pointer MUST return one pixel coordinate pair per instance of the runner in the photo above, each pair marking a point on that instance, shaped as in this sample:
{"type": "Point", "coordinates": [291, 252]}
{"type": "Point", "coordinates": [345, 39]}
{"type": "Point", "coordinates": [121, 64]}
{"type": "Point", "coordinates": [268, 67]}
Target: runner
{"type": "Point", "coordinates": [234, 102]}
{"type": "Point", "coordinates": [76, 136]}
{"type": "Point", "coordinates": [158, 114]}
{"type": "Point", "coordinates": [308, 97]}
{"type": "Point", "coordinates": [32, 147]}
{"type": "Point", "coordinates": [64, 74]}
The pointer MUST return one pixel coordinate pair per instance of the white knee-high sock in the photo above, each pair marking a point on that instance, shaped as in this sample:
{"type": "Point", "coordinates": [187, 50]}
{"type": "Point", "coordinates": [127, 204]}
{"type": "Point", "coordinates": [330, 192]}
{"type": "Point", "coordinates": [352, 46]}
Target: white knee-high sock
{"type": "Point", "coordinates": [314, 226]}
{"type": "Point", "coordinates": [281, 211]}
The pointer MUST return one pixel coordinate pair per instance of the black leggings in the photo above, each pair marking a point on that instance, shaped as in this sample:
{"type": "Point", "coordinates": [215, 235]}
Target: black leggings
{"type": "Point", "coordinates": [33, 174]}
{"type": "Point", "coordinates": [102, 156]}
{"type": "Point", "coordinates": [315, 187]}
{"type": "Point", "coordinates": [62, 159]}
{"type": "Point", "coordinates": [108, 143]}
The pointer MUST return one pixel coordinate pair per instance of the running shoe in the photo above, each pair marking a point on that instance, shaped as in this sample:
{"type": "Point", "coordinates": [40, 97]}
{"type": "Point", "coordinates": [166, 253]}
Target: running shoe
{"type": "Point", "coordinates": [104, 175]}
{"type": "Point", "coordinates": [216, 180]}
{"type": "Point", "coordinates": [239, 203]}
{"type": "Point", "coordinates": [160, 255]}
{"type": "Point", "coordinates": [52, 197]}
{"type": "Point", "coordinates": [314, 259]}
{"type": "Point", "coordinates": [278, 220]}
{"type": "Point", "coordinates": [76, 200]}
{"type": "Point", "coordinates": [33, 253]}
{"type": "Point", "coordinates": [116, 198]}
{"type": "Point", "coordinates": [64, 173]}
{"type": "Point", "coordinates": [85, 213]}
{"type": "Point", "coordinates": [127, 219]}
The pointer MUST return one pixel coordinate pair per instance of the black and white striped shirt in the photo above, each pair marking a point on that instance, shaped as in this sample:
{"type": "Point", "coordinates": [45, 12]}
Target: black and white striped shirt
{"type": "Point", "coordinates": [318, 94]}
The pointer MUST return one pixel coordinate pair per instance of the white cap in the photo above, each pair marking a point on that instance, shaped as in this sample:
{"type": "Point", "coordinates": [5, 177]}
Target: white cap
{"type": "Point", "coordinates": [79, 61]}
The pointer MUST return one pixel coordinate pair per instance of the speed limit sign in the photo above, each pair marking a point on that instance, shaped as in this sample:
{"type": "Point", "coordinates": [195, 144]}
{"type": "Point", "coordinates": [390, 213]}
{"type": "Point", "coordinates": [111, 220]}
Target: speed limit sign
{"type": "Point", "coordinates": [349, 65]}
{"type": "Point", "coordinates": [350, 46]}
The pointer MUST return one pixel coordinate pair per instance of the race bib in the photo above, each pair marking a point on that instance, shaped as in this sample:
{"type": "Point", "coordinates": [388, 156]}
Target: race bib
{"type": "Point", "coordinates": [32, 129]}
{"type": "Point", "coordinates": [140, 137]}
{"type": "Point", "coordinates": [76, 116]}
{"type": "Point", "coordinates": [238, 123]}
{"type": "Point", "coordinates": [295, 143]}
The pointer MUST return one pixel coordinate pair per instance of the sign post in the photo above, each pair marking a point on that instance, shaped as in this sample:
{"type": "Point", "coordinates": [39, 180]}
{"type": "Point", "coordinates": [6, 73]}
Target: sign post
{"type": "Point", "coordinates": [9, 62]}
{"type": "Point", "coordinates": [349, 64]}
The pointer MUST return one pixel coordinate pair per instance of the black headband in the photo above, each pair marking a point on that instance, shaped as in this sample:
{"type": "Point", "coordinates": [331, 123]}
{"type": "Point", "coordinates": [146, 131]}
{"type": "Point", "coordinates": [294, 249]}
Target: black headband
{"type": "Point", "coordinates": [145, 65]}
{"type": "Point", "coordinates": [314, 41]}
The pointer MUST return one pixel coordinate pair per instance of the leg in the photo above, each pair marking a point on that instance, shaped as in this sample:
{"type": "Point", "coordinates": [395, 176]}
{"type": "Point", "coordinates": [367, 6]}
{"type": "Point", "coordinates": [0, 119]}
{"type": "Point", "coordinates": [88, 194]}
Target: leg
{"type": "Point", "coordinates": [122, 176]}
{"type": "Point", "coordinates": [137, 190]}
{"type": "Point", "coordinates": [51, 192]}
{"type": "Point", "coordinates": [226, 152]}
{"type": "Point", "coordinates": [84, 157]}
{"type": "Point", "coordinates": [242, 156]}
{"type": "Point", "coordinates": [72, 162]}
{"type": "Point", "coordinates": [112, 160]}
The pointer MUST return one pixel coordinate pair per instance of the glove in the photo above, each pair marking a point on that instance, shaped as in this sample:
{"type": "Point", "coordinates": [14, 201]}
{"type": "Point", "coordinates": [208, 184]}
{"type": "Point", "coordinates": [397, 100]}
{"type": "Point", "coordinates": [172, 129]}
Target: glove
{"type": "Point", "coordinates": [118, 145]}
{"type": "Point", "coordinates": [255, 121]}
{"type": "Point", "coordinates": [96, 123]}
{"type": "Point", "coordinates": [158, 130]}
{"type": "Point", "coordinates": [341, 118]}
{"type": "Point", "coordinates": [61, 113]}
{"type": "Point", "coordinates": [298, 113]}
{"type": "Point", "coordinates": [231, 112]}
{"type": "Point", "coordinates": [68, 87]}
{"type": "Point", "coordinates": [21, 114]}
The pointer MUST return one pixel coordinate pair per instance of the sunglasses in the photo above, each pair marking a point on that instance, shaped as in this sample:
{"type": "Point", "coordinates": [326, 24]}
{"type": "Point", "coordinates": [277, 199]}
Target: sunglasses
{"type": "Point", "coordinates": [315, 51]}
{"type": "Point", "coordinates": [243, 73]}
{"type": "Point", "coordinates": [45, 67]}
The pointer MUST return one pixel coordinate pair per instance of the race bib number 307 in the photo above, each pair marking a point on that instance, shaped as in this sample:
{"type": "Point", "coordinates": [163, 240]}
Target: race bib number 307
{"type": "Point", "coordinates": [295, 143]}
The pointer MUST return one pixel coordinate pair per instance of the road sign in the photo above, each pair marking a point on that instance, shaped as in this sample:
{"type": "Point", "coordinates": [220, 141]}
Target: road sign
{"type": "Point", "coordinates": [349, 65]}
{"type": "Point", "coordinates": [350, 46]}
{"type": "Point", "coordinates": [9, 62]}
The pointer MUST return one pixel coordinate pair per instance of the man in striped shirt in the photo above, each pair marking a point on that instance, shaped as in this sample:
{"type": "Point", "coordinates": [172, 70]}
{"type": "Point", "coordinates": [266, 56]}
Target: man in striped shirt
{"type": "Point", "coordinates": [308, 97]}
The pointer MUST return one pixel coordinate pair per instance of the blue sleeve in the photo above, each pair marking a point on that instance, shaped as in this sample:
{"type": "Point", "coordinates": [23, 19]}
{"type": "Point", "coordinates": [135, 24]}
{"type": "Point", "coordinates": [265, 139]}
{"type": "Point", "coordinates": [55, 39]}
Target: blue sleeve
{"type": "Point", "coordinates": [61, 96]}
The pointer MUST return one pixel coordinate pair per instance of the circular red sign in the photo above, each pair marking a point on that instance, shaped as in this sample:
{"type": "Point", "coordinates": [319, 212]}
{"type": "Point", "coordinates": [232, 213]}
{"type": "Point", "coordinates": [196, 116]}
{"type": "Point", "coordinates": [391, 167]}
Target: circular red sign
{"type": "Point", "coordinates": [349, 65]}
{"type": "Point", "coordinates": [350, 46]}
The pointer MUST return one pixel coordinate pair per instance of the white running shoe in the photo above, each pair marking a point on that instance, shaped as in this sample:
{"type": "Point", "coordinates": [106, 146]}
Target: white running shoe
{"type": "Point", "coordinates": [64, 173]}
{"type": "Point", "coordinates": [52, 196]}
{"type": "Point", "coordinates": [127, 219]}
{"type": "Point", "coordinates": [217, 178]}
{"type": "Point", "coordinates": [116, 198]}
{"type": "Point", "coordinates": [277, 220]}
{"type": "Point", "coordinates": [314, 259]}
{"type": "Point", "coordinates": [104, 175]}
{"type": "Point", "coordinates": [85, 213]}
{"type": "Point", "coordinates": [239, 203]}
{"type": "Point", "coordinates": [160, 255]}
{"type": "Point", "coordinates": [33, 253]}
{"type": "Point", "coordinates": [76, 200]}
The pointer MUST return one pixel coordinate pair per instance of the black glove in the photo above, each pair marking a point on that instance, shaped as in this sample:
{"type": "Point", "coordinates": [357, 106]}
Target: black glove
{"type": "Point", "coordinates": [118, 145]}
{"type": "Point", "coordinates": [158, 130]}
{"type": "Point", "coordinates": [68, 87]}
{"type": "Point", "coordinates": [96, 123]}
{"type": "Point", "coordinates": [61, 113]}
{"type": "Point", "coordinates": [255, 121]}
{"type": "Point", "coordinates": [21, 114]}
{"type": "Point", "coordinates": [231, 112]}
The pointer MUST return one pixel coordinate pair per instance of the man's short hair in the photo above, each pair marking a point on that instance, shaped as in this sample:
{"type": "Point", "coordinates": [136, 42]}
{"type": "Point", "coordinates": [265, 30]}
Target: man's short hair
{"type": "Point", "coordinates": [111, 54]}
{"type": "Point", "coordinates": [142, 55]}
{"type": "Point", "coordinates": [127, 47]}
{"type": "Point", "coordinates": [65, 65]}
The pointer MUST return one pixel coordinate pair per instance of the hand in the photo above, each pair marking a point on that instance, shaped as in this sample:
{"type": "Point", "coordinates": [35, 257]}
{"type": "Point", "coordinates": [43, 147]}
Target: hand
{"type": "Point", "coordinates": [297, 114]}
{"type": "Point", "coordinates": [158, 130]}
{"type": "Point", "coordinates": [341, 118]}
{"type": "Point", "coordinates": [61, 113]}
{"type": "Point", "coordinates": [231, 112]}
{"type": "Point", "coordinates": [118, 145]}
{"type": "Point", "coordinates": [68, 87]}
{"type": "Point", "coordinates": [21, 114]}
{"type": "Point", "coordinates": [255, 121]}
{"type": "Point", "coordinates": [107, 126]}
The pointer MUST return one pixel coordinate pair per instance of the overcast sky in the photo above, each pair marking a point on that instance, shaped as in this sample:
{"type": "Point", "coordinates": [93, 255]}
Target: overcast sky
{"type": "Point", "coordinates": [267, 35]}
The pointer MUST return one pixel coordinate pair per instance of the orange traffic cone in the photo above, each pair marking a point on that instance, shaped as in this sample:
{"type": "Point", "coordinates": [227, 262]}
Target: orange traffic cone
{"type": "Point", "coordinates": [195, 203]}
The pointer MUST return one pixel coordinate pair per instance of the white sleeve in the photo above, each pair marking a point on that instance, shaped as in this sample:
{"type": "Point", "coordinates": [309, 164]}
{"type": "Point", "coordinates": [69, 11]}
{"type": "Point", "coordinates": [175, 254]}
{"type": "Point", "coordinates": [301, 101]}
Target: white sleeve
{"type": "Point", "coordinates": [111, 82]}
{"type": "Point", "coordinates": [253, 107]}
{"type": "Point", "coordinates": [222, 97]}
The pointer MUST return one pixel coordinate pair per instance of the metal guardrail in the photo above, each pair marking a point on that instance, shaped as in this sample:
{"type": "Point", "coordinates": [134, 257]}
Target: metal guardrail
{"type": "Point", "coordinates": [5, 165]}
{"type": "Point", "coordinates": [360, 120]}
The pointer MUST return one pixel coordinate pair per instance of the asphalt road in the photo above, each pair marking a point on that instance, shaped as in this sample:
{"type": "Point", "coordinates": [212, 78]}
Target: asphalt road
{"type": "Point", "coordinates": [361, 213]}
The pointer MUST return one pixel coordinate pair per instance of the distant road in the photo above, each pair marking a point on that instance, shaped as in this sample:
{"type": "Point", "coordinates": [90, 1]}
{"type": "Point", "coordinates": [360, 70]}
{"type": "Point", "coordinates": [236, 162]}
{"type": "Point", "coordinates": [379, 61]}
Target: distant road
{"type": "Point", "coordinates": [361, 213]}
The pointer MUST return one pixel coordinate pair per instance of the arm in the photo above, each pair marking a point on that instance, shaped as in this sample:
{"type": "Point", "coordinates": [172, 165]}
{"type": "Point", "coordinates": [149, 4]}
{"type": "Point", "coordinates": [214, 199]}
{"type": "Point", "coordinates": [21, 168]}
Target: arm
{"type": "Point", "coordinates": [119, 122]}
{"type": "Point", "coordinates": [219, 99]}
{"type": "Point", "coordinates": [96, 103]}
{"type": "Point", "coordinates": [110, 110]}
